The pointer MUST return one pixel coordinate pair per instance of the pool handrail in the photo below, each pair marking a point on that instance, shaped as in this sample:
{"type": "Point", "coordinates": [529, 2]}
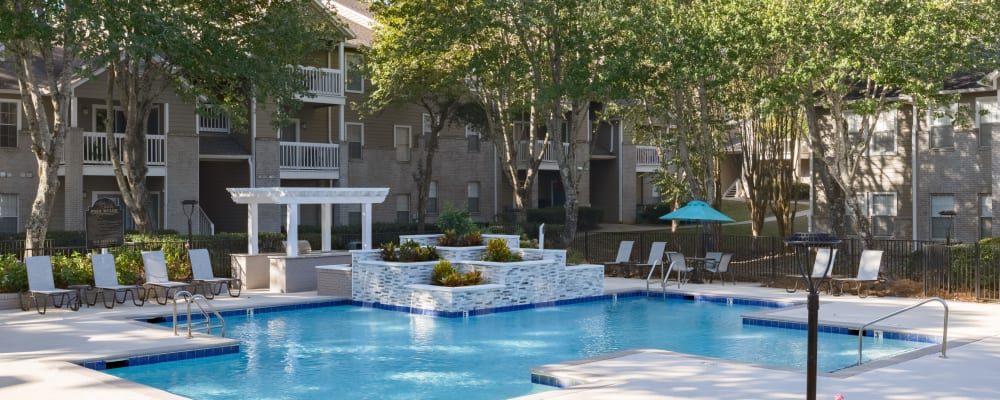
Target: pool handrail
{"type": "Point", "coordinates": [944, 334]}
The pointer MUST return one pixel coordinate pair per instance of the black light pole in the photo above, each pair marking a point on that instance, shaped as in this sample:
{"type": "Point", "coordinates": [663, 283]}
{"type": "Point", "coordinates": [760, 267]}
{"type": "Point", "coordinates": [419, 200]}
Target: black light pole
{"type": "Point", "coordinates": [803, 241]}
{"type": "Point", "coordinates": [188, 211]}
{"type": "Point", "coordinates": [951, 224]}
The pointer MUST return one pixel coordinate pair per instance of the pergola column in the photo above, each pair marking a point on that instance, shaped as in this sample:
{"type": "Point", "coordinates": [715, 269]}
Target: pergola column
{"type": "Point", "coordinates": [366, 226]}
{"type": "Point", "coordinates": [253, 228]}
{"type": "Point", "coordinates": [292, 230]}
{"type": "Point", "coordinates": [326, 212]}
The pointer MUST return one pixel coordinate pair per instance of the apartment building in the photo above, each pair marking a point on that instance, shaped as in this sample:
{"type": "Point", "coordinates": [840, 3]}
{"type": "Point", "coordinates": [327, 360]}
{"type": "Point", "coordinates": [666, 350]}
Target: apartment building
{"type": "Point", "coordinates": [326, 144]}
{"type": "Point", "coordinates": [930, 175]}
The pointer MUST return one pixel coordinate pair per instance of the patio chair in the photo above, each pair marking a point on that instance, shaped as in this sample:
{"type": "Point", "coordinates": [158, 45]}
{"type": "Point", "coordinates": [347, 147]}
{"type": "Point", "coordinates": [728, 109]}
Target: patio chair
{"type": "Point", "coordinates": [624, 254]}
{"type": "Point", "coordinates": [871, 261]}
{"type": "Point", "coordinates": [201, 270]}
{"type": "Point", "coordinates": [679, 265]}
{"type": "Point", "coordinates": [106, 280]}
{"type": "Point", "coordinates": [824, 257]}
{"type": "Point", "coordinates": [155, 266]}
{"type": "Point", "coordinates": [41, 287]}
{"type": "Point", "coordinates": [719, 268]}
{"type": "Point", "coordinates": [656, 252]}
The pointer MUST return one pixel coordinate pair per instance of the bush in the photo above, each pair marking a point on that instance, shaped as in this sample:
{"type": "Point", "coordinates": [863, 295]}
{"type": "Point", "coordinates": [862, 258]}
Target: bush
{"type": "Point", "coordinates": [408, 252]}
{"type": "Point", "coordinates": [13, 275]}
{"type": "Point", "coordinates": [73, 269]}
{"type": "Point", "coordinates": [497, 251]}
{"type": "Point", "coordinates": [453, 219]}
{"type": "Point", "coordinates": [650, 214]}
{"type": "Point", "coordinates": [445, 275]}
{"type": "Point", "coordinates": [128, 263]}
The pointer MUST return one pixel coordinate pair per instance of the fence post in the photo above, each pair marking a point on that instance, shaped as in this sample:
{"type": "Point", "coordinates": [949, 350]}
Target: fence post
{"type": "Point", "coordinates": [979, 260]}
{"type": "Point", "coordinates": [774, 260]}
{"type": "Point", "coordinates": [586, 246]}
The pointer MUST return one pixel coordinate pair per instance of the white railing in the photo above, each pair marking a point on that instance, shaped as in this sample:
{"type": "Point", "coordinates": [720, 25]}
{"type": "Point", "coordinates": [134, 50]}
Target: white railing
{"type": "Point", "coordinates": [205, 224]}
{"type": "Point", "coordinates": [323, 81]}
{"type": "Point", "coordinates": [95, 148]}
{"type": "Point", "coordinates": [298, 155]}
{"type": "Point", "coordinates": [645, 156]}
{"type": "Point", "coordinates": [548, 156]}
{"type": "Point", "coordinates": [213, 124]}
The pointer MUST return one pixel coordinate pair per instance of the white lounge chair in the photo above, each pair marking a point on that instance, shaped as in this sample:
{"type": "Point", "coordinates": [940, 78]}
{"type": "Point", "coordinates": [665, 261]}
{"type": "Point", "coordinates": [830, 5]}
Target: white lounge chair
{"type": "Point", "coordinates": [201, 270]}
{"type": "Point", "coordinates": [41, 287]}
{"type": "Point", "coordinates": [155, 266]}
{"type": "Point", "coordinates": [624, 255]}
{"type": "Point", "coordinates": [824, 257]}
{"type": "Point", "coordinates": [106, 280]}
{"type": "Point", "coordinates": [679, 265]}
{"type": "Point", "coordinates": [720, 267]}
{"type": "Point", "coordinates": [871, 262]}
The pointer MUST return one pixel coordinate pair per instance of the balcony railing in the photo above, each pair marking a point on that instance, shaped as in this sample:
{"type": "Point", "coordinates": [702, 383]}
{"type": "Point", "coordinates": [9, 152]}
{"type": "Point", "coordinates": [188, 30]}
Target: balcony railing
{"type": "Point", "coordinates": [550, 151]}
{"type": "Point", "coordinates": [646, 159]}
{"type": "Point", "coordinates": [324, 82]}
{"type": "Point", "coordinates": [311, 156]}
{"type": "Point", "coordinates": [96, 152]}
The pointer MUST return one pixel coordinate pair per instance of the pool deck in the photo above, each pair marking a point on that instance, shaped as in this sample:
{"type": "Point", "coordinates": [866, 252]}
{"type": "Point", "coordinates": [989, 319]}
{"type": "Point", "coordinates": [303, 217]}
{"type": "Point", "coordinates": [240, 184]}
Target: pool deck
{"type": "Point", "coordinates": [37, 353]}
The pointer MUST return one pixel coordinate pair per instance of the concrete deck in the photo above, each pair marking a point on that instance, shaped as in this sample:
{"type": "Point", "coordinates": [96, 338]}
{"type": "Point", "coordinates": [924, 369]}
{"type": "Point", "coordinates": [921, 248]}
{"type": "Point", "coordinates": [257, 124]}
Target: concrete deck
{"type": "Point", "coordinates": [37, 351]}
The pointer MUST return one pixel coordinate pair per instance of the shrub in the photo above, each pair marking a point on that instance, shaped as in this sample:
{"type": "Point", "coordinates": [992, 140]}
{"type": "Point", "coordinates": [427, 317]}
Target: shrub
{"type": "Point", "coordinates": [453, 219]}
{"type": "Point", "coordinates": [651, 214]}
{"type": "Point", "coordinates": [445, 275]}
{"type": "Point", "coordinates": [408, 252]}
{"type": "Point", "coordinates": [13, 275]}
{"type": "Point", "coordinates": [497, 251]}
{"type": "Point", "coordinates": [128, 263]}
{"type": "Point", "coordinates": [73, 269]}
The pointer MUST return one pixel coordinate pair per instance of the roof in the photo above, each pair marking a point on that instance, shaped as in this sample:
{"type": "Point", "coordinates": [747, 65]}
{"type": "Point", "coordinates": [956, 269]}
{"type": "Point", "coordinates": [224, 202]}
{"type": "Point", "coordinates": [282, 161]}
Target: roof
{"type": "Point", "coordinates": [292, 195]}
{"type": "Point", "coordinates": [359, 20]}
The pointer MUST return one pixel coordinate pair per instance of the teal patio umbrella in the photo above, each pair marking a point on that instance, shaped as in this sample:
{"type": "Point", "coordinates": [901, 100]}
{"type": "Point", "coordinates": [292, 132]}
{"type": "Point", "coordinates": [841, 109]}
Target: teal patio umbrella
{"type": "Point", "coordinates": [700, 211]}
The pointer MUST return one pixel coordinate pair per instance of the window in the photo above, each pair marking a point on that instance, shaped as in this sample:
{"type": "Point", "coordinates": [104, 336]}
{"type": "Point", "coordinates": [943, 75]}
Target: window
{"type": "Point", "coordinates": [289, 155]}
{"type": "Point", "coordinates": [401, 141]}
{"type": "Point", "coordinates": [521, 130]}
{"type": "Point", "coordinates": [353, 214]}
{"type": "Point", "coordinates": [100, 116]}
{"type": "Point", "coordinates": [403, 208]}
{"type": "Point", "coordinates": [153, 122]}
{"type": "Point", "coordinates": [426, 129]}
{"type": "Point", "coordinates": [8, 213]}
{"type": "Point", "coordinates": [987, 119]}
{"type": "Point", "coordinates": [473, 197]}
{"type": "Point", "coordinates": [289, 132]}
{"type": "Point", "coordinates": [472, 138]}
{"type": "Point", "coordinates": [884, 136]}
{"type": "Point", "coordinates": [10, 122]}
{"type": "Point", "coordinates": [883, 214]}
{"type": "Point", "coordinates": [355, 81]}
{"type": "Point", "coordinates": [941, 224]}
{"type": "Point", "coordinates": [355, 139]}
{"type": "Point", "coordinates": [432, 197]}
{"type": "Point", "coordinates": [854, 123]}
{"type": "Point", "coordinates": [985, 216]}
{"type": "Point", "coordinates": [941, 125]}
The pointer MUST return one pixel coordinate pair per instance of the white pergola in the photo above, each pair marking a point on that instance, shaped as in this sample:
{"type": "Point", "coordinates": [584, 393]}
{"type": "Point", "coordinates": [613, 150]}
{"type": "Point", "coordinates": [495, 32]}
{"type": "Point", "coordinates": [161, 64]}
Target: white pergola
{"type": "Point", "coordinates": [293, 197]}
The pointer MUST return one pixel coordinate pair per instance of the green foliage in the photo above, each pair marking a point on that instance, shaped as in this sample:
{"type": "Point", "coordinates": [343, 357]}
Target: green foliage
{"type": "Point", "coordinates": [459, 221]}
{"type": "Point", "coordinates": [13, 275]}
{"type": "Point", "coordinates": [409, 251]}
{"type": "Point", "coordinates": [497, 251]}
{"type": "Point", "coordinates": [650, 214]}
{"type": "Point", "coordinates": [445, 274]}
{"type": "Point", "coordinates": [452, 239]}
{"type": "Point", "coordinates": [73, 269]}
{"type": "Point", "coordinates": [128, 263]}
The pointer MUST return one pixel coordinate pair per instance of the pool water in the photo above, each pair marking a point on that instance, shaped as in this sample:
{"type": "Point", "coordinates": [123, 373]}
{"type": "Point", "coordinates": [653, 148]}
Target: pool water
{"type": "Point", "coordinates": [349, 352]}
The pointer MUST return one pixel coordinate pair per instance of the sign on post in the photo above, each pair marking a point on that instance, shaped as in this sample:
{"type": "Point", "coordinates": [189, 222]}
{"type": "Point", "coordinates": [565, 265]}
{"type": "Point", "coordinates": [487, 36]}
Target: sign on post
{"type": "Point", "coordinates": [105, 227]}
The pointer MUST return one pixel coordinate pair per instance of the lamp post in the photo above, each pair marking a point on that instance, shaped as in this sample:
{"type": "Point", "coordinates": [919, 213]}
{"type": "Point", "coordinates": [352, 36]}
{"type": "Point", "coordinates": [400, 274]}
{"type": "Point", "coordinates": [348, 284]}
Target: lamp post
{"type": "Point", "coordinates": [951, 224]}
{"type": "Point", "coordinates": [189, 211]}
{"type": "Point", "coordinates": [803, 241]}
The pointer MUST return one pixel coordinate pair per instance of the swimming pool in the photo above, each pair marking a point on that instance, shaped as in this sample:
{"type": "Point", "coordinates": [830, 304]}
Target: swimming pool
{"type": "Point", "coordinates": [352, 352]}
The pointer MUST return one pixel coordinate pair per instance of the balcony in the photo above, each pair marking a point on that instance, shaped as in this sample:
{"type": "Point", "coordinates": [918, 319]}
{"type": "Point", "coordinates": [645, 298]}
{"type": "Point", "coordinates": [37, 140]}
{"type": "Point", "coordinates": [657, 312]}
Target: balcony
{"type": "Point", "coordinates": [326, 85]}
{"type": "Point", "coordinates": [301, 160]}
{"type": "Point", "coordinates": [550, 161]}
{"type": "Point", "coordinates": [646, 159]}
{"type": "Point", "coordinates": [97, 156]}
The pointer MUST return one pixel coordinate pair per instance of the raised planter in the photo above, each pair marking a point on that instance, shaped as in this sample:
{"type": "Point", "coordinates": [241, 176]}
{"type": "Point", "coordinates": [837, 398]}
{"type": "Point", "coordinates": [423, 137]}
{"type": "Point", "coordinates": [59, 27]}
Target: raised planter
{"type": "Point", "coordinates": [9, 301]}
{"type": "Point", "coordinates": [334, 280]}
{"type": "Point", "coordinates": [454, 299]}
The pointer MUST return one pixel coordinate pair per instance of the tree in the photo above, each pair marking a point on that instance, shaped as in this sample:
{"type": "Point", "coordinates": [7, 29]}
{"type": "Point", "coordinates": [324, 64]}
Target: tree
{"type": "Point", "coordinates": [228, 51]}
{"type": "Point", "coordinates": [42, 39]}
{"type": "Point", "coordinates": [405, 67]}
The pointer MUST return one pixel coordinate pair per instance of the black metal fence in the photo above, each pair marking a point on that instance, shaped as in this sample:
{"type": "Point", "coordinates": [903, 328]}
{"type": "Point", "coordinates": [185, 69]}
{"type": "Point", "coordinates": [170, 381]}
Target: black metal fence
{"type": "Point", "coordinates": [928, 268]}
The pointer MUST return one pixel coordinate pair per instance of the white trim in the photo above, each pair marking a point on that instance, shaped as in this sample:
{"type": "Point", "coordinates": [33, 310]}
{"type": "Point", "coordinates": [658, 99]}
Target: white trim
{"type": "Point", "coordinates": [347, 67]}
{"type": "Point", "coordinates": [890, 118]}
{"type": "Point", "coordinates": [16, 209]}
{"type": "Point", "coordinates": [979, 103]}
{"type": "Point", "coordinates": [349, 124]}
{"type": "Point", "coordinates": [17, 114]}
{"type": "Point", "coordinates": [409, 141]}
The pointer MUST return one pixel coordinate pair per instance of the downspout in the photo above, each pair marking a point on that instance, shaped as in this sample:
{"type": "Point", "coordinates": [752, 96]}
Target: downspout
{"type": "Point", "coordinates": [914, 175]}
{"type": "Point", "coordinates": [812, 185]}
{"type": "Point", "coordinates": [253, 141]}
{"type": "Point", "coordinates": [166, 163]}
{"type": "Point", "coordinates": [496, 182]}
{"type": "Point", "coordinates": [621, 174]}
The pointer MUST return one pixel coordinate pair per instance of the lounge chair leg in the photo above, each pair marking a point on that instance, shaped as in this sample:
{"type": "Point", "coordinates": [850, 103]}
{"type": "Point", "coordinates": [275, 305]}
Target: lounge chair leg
{"type": "Point", "coordinates": [104, 298]}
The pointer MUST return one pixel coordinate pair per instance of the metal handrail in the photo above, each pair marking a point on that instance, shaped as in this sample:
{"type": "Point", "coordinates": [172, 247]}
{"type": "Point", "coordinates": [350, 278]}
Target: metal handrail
{"type": "Point", "coordinates": [944, 334]}
{"type": "Point", "coordinates": [651, 270]}
{"type": "Point", "coordinates": [189, 298]}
